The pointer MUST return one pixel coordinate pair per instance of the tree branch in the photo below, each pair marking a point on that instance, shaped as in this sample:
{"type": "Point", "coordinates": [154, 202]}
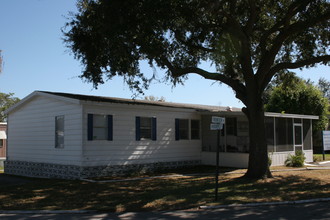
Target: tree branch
{"type": "Point", "coordinates": [190, 44]}
{"type": "Point", "coordinates": [243, 49]}
{"type": "Point", "coordinates": [295, 65]}
{"type": "Point", "coordinates": [293, 9]}
{"type": "Point", "coordinates": [237, 86]}
{"type": "Point", "coordinates": [252, 18]}
{"type": "Point", "coordinates": [269, 57]}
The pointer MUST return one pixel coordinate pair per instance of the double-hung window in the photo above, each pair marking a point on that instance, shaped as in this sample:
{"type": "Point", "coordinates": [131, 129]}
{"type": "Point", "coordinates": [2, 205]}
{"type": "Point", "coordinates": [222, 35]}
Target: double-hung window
{"type": "Point", "coordinates": [146, 128]}
{"type": "Point", "coordinates": [99, 127]}
{"type": "Point", "coordinates": [181, 129]}
{"type": "Point", "coordinates": [1, 143]}
{"type": "Point", "coordinates": [185, 130]}
{"type": "Point", "coordinates": [59, 131]}
{"type": "Point", "coordinates": [194, 130]}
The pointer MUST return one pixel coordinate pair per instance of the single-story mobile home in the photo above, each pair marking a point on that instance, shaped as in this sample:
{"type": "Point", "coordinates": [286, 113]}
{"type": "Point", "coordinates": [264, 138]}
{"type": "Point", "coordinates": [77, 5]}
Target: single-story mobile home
{"type": "Point", "coordinates": [66, 135]}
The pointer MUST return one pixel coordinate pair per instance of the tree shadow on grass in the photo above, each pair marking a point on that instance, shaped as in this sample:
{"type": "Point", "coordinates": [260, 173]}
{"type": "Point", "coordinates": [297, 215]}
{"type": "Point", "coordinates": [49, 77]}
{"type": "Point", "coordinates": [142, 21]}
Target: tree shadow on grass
{"type": "Point", "coordinates": [279, 188]}
{"type": "Point", "coordinates": [157, 194]}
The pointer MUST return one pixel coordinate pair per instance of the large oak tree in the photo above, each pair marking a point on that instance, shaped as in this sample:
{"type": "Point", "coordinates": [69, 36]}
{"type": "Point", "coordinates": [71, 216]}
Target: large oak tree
{"type": "Point", "coordinates": [247, 41]}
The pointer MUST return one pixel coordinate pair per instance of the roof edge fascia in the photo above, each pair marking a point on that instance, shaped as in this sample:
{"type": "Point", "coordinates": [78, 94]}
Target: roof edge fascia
{"type": "Point", "coordinates": [39, 93]}
{"type": "Point", "coordinates": [285, 115]}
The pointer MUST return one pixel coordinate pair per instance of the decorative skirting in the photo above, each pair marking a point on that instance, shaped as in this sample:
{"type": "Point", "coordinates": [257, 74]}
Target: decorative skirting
{"type": "Point", "coordinates": [48, 170]}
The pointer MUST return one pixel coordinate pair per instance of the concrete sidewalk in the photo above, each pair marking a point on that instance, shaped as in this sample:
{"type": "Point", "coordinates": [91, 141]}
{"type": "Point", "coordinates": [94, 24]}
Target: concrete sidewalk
{"type": "Point", "coordinates": [318, 164]}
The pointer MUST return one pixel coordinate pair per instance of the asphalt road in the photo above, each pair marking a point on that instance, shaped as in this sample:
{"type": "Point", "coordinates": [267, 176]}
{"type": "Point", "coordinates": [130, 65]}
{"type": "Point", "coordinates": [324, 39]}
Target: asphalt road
{"type": "Point", "coordinates": [308, 211]}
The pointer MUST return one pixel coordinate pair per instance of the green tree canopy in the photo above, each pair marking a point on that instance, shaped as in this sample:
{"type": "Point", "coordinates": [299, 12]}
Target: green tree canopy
{"type": "Point", "coordinates": [293, 95]}
{"type": "Point", "coordinates": [247, 41]}
{"type": "Point", "coordinates": [6, 101]}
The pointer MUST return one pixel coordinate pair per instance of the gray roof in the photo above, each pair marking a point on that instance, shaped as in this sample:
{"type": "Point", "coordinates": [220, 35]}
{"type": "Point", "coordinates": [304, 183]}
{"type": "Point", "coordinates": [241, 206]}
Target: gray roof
{"type": "Point", "coordinates": [197, 107]}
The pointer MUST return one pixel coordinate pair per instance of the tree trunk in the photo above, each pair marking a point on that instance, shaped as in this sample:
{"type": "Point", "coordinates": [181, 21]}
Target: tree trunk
{"type": "Point", "coordinates": [258, 157]}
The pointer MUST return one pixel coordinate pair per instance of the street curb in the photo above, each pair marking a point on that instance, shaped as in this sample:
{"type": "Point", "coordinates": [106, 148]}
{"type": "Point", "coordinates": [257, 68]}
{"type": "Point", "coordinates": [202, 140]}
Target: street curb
{"type": "Point", "coordinates": [266, 203]}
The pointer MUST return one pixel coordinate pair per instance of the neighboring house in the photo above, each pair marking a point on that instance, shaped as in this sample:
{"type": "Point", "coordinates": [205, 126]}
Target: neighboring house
{"type": "Point", "coordinates": [3, 140]}
{"type": "Point", "coordinates": [73, 136]}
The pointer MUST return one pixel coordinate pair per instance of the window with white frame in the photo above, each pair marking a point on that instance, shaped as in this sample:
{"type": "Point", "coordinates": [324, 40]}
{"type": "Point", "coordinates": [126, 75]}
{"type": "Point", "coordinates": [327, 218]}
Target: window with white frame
{"type": "Point", "coordinates": [99, 127]}
{"type": "Point", "coordinates": [59, 131]}
{"type": "Point", "coordinates": [146, 128]}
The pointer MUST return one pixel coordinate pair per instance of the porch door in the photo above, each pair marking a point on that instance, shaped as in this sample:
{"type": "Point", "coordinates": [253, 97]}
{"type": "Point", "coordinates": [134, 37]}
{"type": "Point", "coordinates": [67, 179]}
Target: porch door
{"type": "Point", "coordinates": [298, 137]}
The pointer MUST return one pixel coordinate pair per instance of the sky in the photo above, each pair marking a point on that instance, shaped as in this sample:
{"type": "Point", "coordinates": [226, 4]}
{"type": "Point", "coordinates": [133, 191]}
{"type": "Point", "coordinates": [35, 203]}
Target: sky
{"type": "Point", "coordinates": [36, 58]}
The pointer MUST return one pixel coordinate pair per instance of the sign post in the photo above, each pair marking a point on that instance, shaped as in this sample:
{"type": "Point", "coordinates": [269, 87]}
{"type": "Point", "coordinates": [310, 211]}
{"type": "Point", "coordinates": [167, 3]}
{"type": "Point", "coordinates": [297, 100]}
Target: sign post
{"type": "Point", "coordinates": [217, 124]}
{"type": "Point", "coordinates": [326, 142]}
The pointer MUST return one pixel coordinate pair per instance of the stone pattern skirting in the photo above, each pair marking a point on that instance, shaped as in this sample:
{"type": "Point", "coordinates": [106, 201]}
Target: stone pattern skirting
{"type": "Point", "coordinates": [48, 170]}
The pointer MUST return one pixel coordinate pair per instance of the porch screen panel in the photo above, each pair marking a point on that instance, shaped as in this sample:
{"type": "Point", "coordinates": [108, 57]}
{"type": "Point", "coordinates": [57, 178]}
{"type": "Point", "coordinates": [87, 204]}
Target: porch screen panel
{"type": "Point", "coordinates": [209, 137]}
{"type": "Point", "coordinates": [231, 126]}
{"type": "Point", "coordinates": [269, 124]}
{"type": "Point", "coordinates": [284, 134]}
{"type": "Point", "coordinates": [307, 134]}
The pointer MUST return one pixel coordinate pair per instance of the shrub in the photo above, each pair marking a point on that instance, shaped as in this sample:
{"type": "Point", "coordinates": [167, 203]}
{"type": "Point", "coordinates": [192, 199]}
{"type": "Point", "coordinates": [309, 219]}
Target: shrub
{"type": "Point", "coordinates": [296, 160]}
{"type": "Point", "coordinates": [270, 161]}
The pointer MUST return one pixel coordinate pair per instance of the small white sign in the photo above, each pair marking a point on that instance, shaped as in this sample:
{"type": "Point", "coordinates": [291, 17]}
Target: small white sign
{"type": "Point", "coordinates": [218, 120]}
{"type": "Point", "coordinates": [326, 140]}
{"type": "Point", "coordinates": [216, 127]}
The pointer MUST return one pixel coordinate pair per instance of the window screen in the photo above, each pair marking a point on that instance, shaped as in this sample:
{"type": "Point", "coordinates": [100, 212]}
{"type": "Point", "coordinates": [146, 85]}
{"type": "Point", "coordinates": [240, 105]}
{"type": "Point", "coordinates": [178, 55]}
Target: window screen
{"type": "Point", "coordinates": [231, 126]}
{"type": "Point", "coordinates": [269, 124]}
{"type": "Point", "coordinates": [181, 129]}
{"type": "Point", "coordinates": [307, 134]}
{"type": "Point", "coordinates": [195, 129]}
{"type": "Point", "coordinates": [184, 129]}
{"type": "Point", "coordinates": [59, 131]}
{"type": "Point", "coordinates": [284, 134]}
{"type": "Point", "coordinates": [100, 127]}
{"type": "Point", "coordinates": [145, 128]}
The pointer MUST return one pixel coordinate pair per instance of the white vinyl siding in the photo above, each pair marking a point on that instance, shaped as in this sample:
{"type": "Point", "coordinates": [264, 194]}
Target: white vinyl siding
{"type": "Point", "coordinates": [32, 129]}
{"type": "Point", "coordinates": [124, 149]}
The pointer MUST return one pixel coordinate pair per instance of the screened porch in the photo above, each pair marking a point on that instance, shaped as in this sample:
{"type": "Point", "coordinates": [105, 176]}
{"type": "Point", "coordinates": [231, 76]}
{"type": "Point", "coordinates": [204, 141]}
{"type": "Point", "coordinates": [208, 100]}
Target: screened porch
{"type": "Point", "coordinates": [285, 133]}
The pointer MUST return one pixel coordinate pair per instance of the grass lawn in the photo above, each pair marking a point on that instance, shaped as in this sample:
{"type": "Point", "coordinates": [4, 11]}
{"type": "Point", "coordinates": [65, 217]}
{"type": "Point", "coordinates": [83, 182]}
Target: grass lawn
{"type": "Point", "coordinates": [164, 193]}
{"type": "Point", "coordinates": [319, 157]}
